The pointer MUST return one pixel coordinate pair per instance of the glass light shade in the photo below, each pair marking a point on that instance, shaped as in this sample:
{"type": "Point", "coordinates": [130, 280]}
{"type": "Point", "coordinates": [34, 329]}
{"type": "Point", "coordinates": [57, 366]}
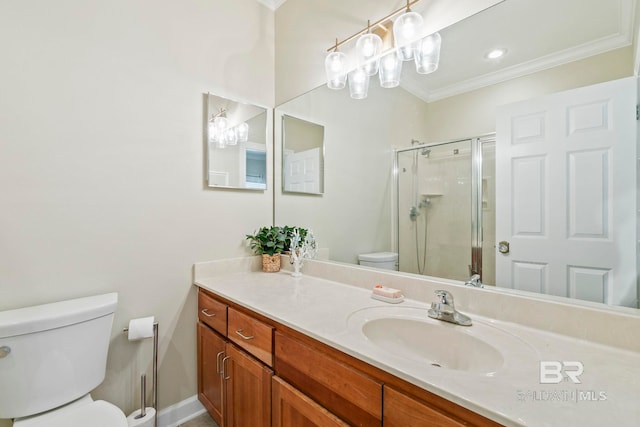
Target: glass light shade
{"type": "Point", "coordinates": [242, 132]}
{"type": "Point", "coordinates": [368, 47]}
{"type": "Point", "coordinates": [358, 83]}
{"type": "Point", "coordinates": [213, 133]}
{"type": "Point", "coordinates": [407, 29]}
{"type": "Point", "coordinates": [335, 65]}
{"type": "Point", "coordinates": [427, 54]}
{"type": "Point", "coordinates": [230, 137]}
{"type": "Point", "coordinates": [390, 70]}
{"type": "Point", "coordinates": [221, 122]}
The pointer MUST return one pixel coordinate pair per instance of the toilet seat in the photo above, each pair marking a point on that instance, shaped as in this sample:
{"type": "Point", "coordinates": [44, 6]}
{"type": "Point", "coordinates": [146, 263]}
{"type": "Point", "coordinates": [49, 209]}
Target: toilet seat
{"type": "Point", "coordinates": [97, 413]}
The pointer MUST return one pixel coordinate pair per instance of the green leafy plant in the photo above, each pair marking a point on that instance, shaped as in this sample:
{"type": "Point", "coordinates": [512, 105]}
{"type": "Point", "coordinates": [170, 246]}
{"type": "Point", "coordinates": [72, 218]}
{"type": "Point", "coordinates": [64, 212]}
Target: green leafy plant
{"type": "Point", "coordinates": [268, 240]}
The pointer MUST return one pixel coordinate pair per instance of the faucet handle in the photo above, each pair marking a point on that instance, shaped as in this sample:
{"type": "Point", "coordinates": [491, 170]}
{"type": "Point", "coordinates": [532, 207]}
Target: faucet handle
{"type": "Point", "coordinates": [445, 297]}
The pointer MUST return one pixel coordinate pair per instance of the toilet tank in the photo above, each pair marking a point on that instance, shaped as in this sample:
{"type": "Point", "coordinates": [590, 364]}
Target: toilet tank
{"type": "Point", "coordinates": [384, 260]}
{"type": "Point", "coordinates": [52, 354]}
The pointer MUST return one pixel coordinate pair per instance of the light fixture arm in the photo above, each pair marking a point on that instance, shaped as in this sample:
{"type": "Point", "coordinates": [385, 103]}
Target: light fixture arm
{"type": "Point", "coordinates": [369, 25]}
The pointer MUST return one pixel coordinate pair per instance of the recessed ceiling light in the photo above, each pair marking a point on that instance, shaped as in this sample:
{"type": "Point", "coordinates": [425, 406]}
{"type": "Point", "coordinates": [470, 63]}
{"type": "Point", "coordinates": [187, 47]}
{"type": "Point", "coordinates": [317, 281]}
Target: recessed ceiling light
{"type": "Point", "coordinates": [496, 53]}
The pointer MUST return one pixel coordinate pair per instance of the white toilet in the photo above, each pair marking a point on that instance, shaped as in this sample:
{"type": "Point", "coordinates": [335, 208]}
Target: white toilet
{"type": "Point", "coordinates": [51, 357]}
{"type": "Point", "coordinates": [384, 260]}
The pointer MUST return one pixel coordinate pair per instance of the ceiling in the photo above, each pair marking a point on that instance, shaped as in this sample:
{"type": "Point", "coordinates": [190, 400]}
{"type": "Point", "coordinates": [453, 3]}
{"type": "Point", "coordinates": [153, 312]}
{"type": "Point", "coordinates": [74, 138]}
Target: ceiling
{"type": "Point", "coordinates": [538, 34]}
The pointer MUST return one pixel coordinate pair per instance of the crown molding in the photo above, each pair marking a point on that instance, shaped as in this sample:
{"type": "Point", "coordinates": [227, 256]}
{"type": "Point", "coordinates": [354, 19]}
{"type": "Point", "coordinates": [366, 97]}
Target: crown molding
{"type": "Point", "coordinates": [564, 57]}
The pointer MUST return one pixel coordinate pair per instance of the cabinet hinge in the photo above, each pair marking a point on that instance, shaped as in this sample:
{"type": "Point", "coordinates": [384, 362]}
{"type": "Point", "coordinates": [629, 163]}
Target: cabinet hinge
{"type": "Point", "coordinates": [637, 111]}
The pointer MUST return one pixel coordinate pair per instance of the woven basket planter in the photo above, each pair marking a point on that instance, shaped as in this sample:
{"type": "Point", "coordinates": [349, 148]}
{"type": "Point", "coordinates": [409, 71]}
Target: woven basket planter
{"type": "Point", "coordinates": [270, 263]}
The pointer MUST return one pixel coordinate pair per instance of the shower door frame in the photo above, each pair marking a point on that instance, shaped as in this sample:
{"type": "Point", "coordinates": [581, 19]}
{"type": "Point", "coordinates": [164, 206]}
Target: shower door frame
{"type": "Point", "coordinates": [477, 143]}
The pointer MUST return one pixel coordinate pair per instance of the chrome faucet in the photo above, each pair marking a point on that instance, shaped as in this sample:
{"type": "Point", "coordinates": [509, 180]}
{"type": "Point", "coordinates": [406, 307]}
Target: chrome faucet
{"type": "Point", "coordinates": [445, 310]}
{"type": "Point", "coordinates": [474, 281]}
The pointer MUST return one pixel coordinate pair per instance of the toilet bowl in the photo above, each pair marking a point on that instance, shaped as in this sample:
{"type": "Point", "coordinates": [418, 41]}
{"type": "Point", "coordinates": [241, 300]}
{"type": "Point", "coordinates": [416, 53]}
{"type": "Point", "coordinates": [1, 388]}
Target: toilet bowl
{"type": "Point", "coordinates": [384, 260]}
{"type": "Point", "coordinates": [83, 412]}
{"type": "Point", "coordinates": [51, 357]}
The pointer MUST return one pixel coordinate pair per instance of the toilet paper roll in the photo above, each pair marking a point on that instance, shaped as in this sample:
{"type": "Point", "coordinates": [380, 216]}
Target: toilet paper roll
{"type": "Point", "coordinates": [141, 328]}
{"type": "Point", "coordinates": [147, 421]}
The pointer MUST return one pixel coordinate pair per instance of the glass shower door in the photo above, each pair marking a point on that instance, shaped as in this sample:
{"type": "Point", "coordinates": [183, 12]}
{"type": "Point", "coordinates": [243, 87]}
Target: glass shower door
{"type": "Point", "coordinates": [434, 192]}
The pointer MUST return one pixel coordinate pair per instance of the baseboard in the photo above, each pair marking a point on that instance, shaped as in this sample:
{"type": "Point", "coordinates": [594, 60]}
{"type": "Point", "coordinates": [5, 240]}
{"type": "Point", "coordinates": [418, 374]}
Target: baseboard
{"type": "Point", "coordinates": [181, 412]}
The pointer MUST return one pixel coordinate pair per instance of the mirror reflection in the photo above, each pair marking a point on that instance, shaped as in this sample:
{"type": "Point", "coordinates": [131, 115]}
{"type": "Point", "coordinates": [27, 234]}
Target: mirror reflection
{"type": "Point", "coordinates": [436, 128]}
{"type": "Point", "coordinates": [302, 156]}
{"type": "Point", "coordinates": [236, 144]}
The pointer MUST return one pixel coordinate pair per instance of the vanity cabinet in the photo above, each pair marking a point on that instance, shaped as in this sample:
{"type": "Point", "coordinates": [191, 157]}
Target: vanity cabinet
{"type": "Point", "coordinates": [253, 371]}
{"type": "Point", "coordinates": [343, 390]}
{"type": "Point", "coordinates": [233, 385]}
{"type": "Point", "coordinates": [211, 348]}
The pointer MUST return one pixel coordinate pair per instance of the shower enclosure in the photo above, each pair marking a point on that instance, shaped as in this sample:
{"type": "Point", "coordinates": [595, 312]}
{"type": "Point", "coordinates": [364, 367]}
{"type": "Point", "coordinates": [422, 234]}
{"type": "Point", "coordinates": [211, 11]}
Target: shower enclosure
{"type": "Point", "coordinates": [445, 208]}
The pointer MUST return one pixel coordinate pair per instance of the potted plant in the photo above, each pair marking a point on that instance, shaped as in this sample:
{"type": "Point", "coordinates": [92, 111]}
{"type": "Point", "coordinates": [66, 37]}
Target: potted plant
{"type": "Point", "coordinates": [270, 243]}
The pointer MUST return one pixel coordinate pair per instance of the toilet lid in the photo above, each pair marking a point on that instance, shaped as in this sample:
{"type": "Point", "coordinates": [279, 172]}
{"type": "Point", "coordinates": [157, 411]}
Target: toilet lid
{"type": "Point", "coordinates": [94, 414]}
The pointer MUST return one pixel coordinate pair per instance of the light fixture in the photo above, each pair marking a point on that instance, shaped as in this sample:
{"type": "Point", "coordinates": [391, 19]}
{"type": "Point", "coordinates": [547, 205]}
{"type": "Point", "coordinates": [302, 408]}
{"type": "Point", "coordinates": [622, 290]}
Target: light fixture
{"type": "Point", "coordinates": [427, 53]}
{"type": "Point", "coordinates": [358, 83]}
{"type": "Point", "coordinates": [409, 43]}
{"type": "Point", "coordinates": [390, 70]}
{"type": "Point", "coordinates": [335, 65]}
{"type": "Point", "coordinates": [242, 132]}
{"type": "Point", "coordinates": [221, 134]}
{"type": "Point", "coordinates": [407, 29]}
{"type": "Point", "coordinates": [495, 53]}
{"type": "Point", "coordinates": [368, 49]}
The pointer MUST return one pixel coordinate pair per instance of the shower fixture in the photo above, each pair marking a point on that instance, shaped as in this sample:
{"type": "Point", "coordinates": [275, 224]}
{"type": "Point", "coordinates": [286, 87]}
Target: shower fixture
{"type": "Point", "coordinates": [426, 152]}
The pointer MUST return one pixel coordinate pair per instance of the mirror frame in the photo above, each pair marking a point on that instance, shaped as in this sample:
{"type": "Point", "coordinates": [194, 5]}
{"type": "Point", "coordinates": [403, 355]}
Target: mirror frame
{"type": "Point", "coordinates": [268, 141]}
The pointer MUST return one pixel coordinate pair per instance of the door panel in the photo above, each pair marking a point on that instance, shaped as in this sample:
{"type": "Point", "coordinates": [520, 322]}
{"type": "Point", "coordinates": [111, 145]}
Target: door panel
{"type": "Point", "coordinates": [566, 164]}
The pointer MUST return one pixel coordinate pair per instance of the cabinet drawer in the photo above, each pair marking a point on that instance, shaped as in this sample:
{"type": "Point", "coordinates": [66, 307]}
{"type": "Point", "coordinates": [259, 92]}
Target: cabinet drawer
{"type": "Point", "coordinates": [252, 335]}
{"type": "Point", "coordinates": [401, 410]}
{"type": "Point", "coordinates": [212, 312]}
{"type": "Point", "coordinates": [348, 393]}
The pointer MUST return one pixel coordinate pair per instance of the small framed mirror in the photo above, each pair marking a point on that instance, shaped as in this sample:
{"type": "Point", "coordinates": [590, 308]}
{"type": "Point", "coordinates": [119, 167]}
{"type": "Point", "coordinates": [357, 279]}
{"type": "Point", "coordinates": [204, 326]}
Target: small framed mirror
{"type": "Point", "coordinates": [302, 156]}
{"type": "Point", "coordinates": [236, 144]}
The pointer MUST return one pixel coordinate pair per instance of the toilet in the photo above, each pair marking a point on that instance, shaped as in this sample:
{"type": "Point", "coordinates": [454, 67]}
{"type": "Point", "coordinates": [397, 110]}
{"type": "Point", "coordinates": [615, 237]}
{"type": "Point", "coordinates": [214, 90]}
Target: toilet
{"type": "Point", "coordinates": [51, 357]}
{"type": "Point", "coordinates": [384, 260]}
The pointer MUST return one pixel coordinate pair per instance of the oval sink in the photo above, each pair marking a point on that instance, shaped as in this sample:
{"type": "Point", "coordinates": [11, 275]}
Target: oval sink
{"type": "Point", "coordinates": [407, 338]}
{"type": "Point", "coordinates": [434, 345]}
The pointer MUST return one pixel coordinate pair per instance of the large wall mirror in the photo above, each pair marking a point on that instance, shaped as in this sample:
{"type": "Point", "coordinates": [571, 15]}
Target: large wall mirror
{"type": "Point", "coordinates": [236, 144]}
{"type": "Point", "coordinates": [395, 159]}
{"type": "Point", "coordinates": [302, 156]}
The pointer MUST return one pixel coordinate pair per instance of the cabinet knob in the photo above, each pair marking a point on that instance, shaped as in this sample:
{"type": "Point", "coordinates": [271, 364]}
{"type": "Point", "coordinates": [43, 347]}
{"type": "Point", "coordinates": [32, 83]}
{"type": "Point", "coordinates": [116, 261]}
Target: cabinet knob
{"type": "Point", "coordinates": [4, 351]}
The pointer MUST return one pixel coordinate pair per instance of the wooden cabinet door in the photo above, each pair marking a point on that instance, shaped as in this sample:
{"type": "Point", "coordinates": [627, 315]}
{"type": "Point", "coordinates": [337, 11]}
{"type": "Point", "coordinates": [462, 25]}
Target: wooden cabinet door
{"type": "Point", "coordinates": [248, 390]}
{"type": "Point", "coordinates": [211, 347]}
{"type": "Point", "coordinates": [291, 408]}
{"type": "Point", "coordinates": [401, 410]}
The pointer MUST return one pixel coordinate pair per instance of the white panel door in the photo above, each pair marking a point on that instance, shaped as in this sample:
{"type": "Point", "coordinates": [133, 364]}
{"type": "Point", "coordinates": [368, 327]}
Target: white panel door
{"type": "Point", "coordinates": [565, 193]}
{"type": "Point", "coordinates": [302, 171]}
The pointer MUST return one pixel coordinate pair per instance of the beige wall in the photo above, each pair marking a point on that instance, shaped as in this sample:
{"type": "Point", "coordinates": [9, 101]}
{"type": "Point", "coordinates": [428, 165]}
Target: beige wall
{"type": "Point", "coordinates": [101, 162]}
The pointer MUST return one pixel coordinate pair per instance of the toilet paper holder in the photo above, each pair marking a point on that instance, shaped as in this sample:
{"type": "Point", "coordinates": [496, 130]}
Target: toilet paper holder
{"type": "Point", "coordinates": [154, 403]}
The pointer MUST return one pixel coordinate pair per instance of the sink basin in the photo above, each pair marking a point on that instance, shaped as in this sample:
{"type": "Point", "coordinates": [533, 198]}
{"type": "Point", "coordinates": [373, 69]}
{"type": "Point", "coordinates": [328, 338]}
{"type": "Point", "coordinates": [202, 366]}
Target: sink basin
{"type": "Point", "coordinates": [406, 337]}
{"type": "Point", "coordinates": [436, 345]}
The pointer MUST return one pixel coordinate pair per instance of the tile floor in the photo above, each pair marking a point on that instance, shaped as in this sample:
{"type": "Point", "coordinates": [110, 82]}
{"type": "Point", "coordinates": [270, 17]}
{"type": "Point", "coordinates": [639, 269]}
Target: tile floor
{"type": "Point", "coordinates": [203, 420]}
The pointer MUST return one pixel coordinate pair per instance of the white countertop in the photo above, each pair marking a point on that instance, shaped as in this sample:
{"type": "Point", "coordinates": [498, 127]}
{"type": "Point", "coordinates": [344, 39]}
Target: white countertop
{"type": "Point", "coordinates": [609, 392]}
